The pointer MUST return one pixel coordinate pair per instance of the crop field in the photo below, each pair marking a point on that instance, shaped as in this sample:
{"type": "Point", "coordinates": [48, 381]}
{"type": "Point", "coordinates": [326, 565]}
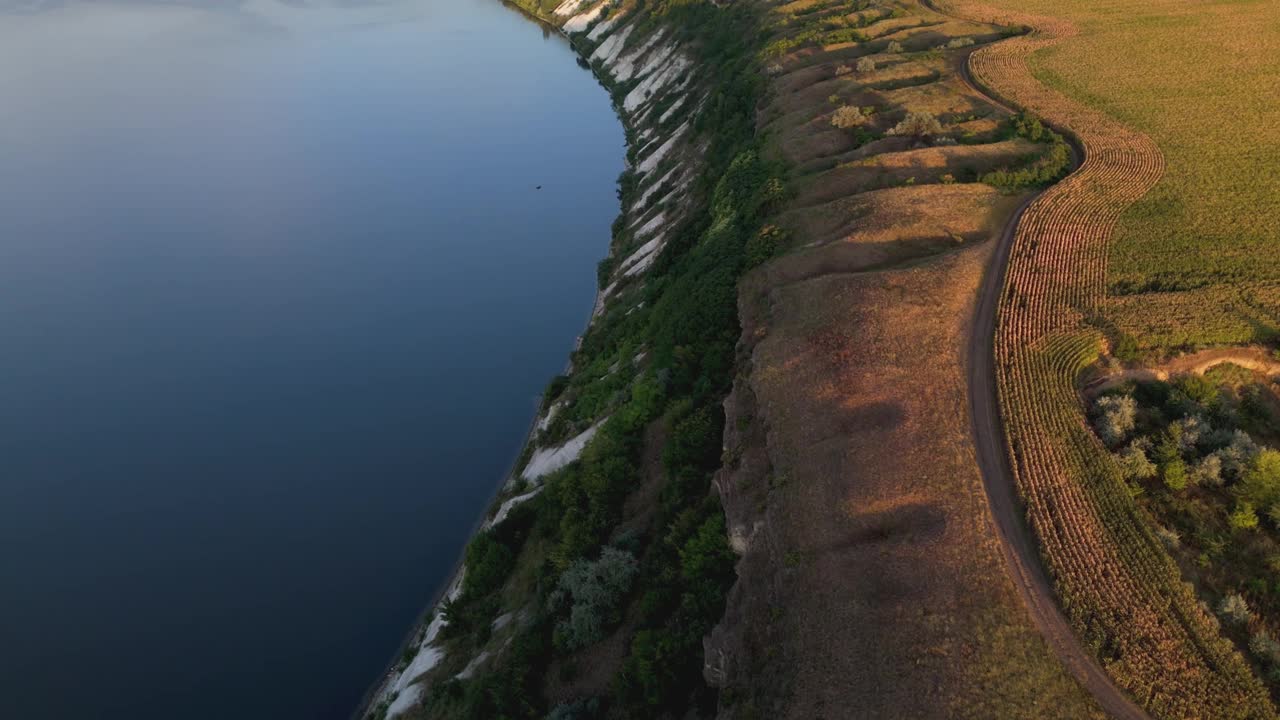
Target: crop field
{"type": "Point", "coordinates": [1201, 79]}
{"type": "Point", "coordinates": [1122, 592]}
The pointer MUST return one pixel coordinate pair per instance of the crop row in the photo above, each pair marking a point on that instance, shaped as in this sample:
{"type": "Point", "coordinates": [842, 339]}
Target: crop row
{"type": "Point", "coordinates": [1123, 594]}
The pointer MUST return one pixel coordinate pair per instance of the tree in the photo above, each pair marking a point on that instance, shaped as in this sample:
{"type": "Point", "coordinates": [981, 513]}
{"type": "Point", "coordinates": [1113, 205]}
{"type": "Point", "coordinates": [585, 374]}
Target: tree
{"type": "Point", "coordinates": [1175, 476]}
{"type": "Point", "coordinates": [848, 117]}
{"type": "Point", "coordinates": [1264, 648]}
{"type": "Point", "coordinates": [1239, 453]}
{"type": "Point", "coordinates": [865, 65]}
{"type": "Point", "coordinates": [1134, 462]}
{"type": "Point", "coordinates": [596, 588]}
{"type": "Point", "coordinates": [1194, 429]}
{"type": "Point", "coordinates": [1261, 481]}
{"type": "Point", "coordinates": [1116, 417]}
{"type": "Point", "coordinates": [1208, 471]}
{"type": "Point", "coordinates": [921, 126]}
{"type": "Point", "coordinates": [1244, 517]}
{"type": "Point", "coordinates": [1235, 610]}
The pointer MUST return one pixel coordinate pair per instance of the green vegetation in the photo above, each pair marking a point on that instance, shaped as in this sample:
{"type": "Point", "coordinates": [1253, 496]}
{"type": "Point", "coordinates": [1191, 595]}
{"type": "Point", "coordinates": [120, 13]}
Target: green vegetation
{"type": "Point", "coordinates": [1035, 170]}
{"type": "Point", "coordinates": [659, 583]}
{"type": "Point", "coordinates": [1195, 262]}
{"type": "Point", "coordinates": [1194, 452]}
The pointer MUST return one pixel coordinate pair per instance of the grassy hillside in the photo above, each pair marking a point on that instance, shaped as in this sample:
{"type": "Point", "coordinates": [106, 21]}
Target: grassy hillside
{"type": "Point", "coordinates": [871, 583]}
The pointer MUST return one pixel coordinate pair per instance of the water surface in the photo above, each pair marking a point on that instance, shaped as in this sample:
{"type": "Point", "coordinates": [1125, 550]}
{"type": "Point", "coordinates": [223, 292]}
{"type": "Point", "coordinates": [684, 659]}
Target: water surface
{"type": "Point", "coordinates": [277, 294]}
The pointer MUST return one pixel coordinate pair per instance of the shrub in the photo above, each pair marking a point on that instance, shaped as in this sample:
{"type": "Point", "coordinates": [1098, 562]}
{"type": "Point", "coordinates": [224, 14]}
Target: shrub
{"type": "Point", "coordinates": [488, 562]}
{"type": "Point", "coordinates": [1261, 481]}
{"type": "Point", "coordinates": [578, 710]}
{"type": "Point", "coordinates": [959, 43]}
{"type": "Point", "coordinates": [1175, 476]}
{"type": "Point", "coordinates": [865, 65]}
{"type": "Point", "coordinates": [896, 47]}
{"type": "Point", "coordinates": [1134, 462]}
{"type": "Point", "coordinates": [842, 70]}
{"type": "Point", "coordinates": [1192, 430]}
{"type": "Point", "coordinates": [1030, 127]}
{"type": "Point", "coordinates": [1116, 417]}
{"type": "Point", "coordinates": [1235, 610]}
{"type": "Point", "coordinates": [917, 125]}
{"type": "Point", "coordinates": [1208, 471]}
{"type": "Point", "coordinates": [848, 117]}
{"type": "Point", "coordinates": [764, 244]}
{"type": "Point", "coordinates": [596, 588]}
{"type": "Point", "coordinates": [1244, 517]}
{"type": "Point", "coordinates": [1170, 538]}
{"type": "Point", "coordinates": [1238, 455]}
{"type": "Point", "coordinates": [1264, 648]}
{"type": "Point", "coordinates": [1197, 387]}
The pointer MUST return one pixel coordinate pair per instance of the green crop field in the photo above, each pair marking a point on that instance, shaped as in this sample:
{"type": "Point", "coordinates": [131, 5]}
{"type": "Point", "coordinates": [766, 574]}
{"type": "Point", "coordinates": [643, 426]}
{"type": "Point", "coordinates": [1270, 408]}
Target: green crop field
{"type": "Point", "coordinates": [1196, 261]}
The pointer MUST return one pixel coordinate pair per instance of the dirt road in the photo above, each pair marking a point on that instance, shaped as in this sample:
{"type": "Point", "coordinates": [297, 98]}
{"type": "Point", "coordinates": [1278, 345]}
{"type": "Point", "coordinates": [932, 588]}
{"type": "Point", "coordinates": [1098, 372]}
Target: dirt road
{"type": "Point", "coordinates": [1016, 541]}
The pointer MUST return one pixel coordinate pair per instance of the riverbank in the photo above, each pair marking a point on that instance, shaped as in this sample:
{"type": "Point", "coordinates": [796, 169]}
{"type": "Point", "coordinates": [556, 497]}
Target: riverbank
{"type": "Point", "coordinates": [648, 84]}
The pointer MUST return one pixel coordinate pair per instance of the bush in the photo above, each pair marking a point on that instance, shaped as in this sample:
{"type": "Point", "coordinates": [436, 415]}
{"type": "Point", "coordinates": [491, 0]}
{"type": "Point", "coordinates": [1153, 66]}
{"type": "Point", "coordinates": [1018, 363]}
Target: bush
{"type": "Point", "coordinates": [959, 43]}
{"type": "Point", "coordinates": [1238, 455]}
{"type": "Point", "coordinates": [1170, 538]}
{"type": "Point", "coordinates": [596, 590]}
{"type": "Point", "coordinates": [896, 47]}
{"type": "Point", "coordinates": [579, 710]}
{"type": "Point", "coordinates": [917, 125]}
{"type": "Point", "coordinates": [865, 65]}
{"type": "Point", "coordinates": [1244, 517]}
{"type": "Point", "coordinates": [1235, 610]}
{"type": "Point", "coordinates": [1134, 462]}
{"type": "Point", "coordinates": [1261, 481]}
{"type": "Point", "coordinates": [488, 562]}
{"type": "Point", "coordinates": [1030, 127]}
{"type": "Point", "coordinates": [1116, 417]}
{"type": "Point", "coordinates": [848, 117]}
{"type": "Point", "coordinates": [1264, 648]}
{"type": "Point", "coordinates": [1208, 472]}
{"type": "Point", "coordinates": [1175, 476]}
{"type": "Point", "coordinates": [764, 244]}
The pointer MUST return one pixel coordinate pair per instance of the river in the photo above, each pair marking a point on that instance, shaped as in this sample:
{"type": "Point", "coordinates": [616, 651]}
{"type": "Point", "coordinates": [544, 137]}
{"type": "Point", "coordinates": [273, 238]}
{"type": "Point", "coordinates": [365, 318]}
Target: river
{"type": "Point", "coordinates": [278, 293]}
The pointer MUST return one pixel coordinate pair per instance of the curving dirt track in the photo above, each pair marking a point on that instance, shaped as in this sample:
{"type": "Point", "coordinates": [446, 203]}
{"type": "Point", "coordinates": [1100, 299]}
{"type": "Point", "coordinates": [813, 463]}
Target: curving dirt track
{"type": "Point", "coordinates": [1016, 541]}
{"type": "Point", "coordinates": [1031, 337]}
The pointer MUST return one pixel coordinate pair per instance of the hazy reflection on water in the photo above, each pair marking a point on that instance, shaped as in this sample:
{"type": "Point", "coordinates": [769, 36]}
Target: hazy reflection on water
{"type": "Point", "coordinates": [276, 293]}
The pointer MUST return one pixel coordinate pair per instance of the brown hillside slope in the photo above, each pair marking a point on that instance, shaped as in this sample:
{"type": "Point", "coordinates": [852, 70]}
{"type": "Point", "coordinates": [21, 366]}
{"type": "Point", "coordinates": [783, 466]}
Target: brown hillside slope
{"type": "Point", "coordinates": [871, 584]}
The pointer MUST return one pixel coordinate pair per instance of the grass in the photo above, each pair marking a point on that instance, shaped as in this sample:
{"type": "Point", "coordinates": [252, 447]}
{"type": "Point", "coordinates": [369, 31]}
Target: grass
{"type": "Point", "coordinates": [1201, 79]}
{"type": "Point", "coordinates": [896, 600]}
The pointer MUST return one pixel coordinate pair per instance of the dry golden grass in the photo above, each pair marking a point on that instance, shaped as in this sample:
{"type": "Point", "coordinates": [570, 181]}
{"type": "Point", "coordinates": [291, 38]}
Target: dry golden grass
{"type": "Point", "coordinates": [924, 165]}
{"type": "Point", "coordinates": [897, 602]}
{"type": "Point", "coordinates": [872, 585]}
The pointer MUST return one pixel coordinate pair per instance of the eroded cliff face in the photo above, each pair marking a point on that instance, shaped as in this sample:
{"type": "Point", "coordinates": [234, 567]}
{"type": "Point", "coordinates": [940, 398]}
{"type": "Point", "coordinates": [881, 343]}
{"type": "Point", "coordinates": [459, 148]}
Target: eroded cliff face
{"type": "Point", "coordinates": [656, 94]}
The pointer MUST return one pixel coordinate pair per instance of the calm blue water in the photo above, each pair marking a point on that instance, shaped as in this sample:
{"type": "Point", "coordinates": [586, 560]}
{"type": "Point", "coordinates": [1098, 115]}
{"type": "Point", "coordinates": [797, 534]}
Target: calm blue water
{"type": "Point", "coordinates": [277, 295]}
